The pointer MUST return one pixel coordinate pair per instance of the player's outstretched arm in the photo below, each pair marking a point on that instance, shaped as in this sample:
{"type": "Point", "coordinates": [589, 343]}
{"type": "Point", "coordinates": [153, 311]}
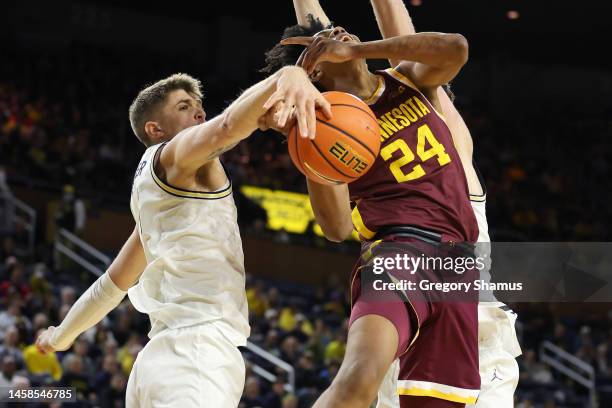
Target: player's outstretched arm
{"type": "Point", "coordinates": [332, 209]}
{"type": "Point", "coordinates": [197, 145]}
{"type": "Point", "coordinates": [393, 20]}
{"type": "Point", "coordinates": [101, 297]}
{"type": "Point", "coordinates": [438, 57]}
{"type": "Point", "coordinates": [304, 8]}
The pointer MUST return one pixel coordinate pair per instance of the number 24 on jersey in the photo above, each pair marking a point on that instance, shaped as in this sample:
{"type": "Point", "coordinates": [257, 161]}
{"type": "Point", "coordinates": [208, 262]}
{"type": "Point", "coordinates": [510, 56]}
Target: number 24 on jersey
{"type": "Point", "coordinates": [424, 136]}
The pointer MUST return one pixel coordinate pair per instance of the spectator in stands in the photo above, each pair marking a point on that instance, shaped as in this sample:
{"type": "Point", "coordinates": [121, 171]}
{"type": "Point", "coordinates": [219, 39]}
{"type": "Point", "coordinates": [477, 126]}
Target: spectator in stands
{"type": "Point", "coordinates": [71, 214]}
{"type": "Point", "coordinates": [290, 349]}
{"type": "Point", "coordinates": [45, 367]}
{"type": "Point", "coordinates": [534, 372]}
{"type": "Point", "coordinates": [13, 316]}
{"type": "Point", "coordinates": [274, 398]}
{"type": "Point", "coordinates": [102, 378]}
{"type": "Point", "coordinates": [336, 348]}
{"type": "Point", "coordinates": [16, 283]}
{"type": "Point", "coordinates": [75, 376]}
{"type": "Point", "coordinates": [10, 346]}
{"type": "Point", "coordinates": [290, 401]}
{"type": "Point", "coordinates": [7, 252]}
{"type": "Point", "coordinates": [80, 349]}
{"type": "Point", "coordinates": [114, 396]}
{"type": "Point", "coordinates": [67, 296]}
{"type": "Point", "coordinates": [7, 207]}
{"type": "Point", "coordinates": [9, 377]}
{"type": "Point", "coordinates": [251, 397]}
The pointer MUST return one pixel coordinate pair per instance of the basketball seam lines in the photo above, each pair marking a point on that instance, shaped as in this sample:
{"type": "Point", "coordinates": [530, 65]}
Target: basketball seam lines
{"type": "Point", "coordinates": [327, 160]}
{"type": "Point", "coordinates": [353, 106]}
{"type": "Point", "coordinates": [349, 135]}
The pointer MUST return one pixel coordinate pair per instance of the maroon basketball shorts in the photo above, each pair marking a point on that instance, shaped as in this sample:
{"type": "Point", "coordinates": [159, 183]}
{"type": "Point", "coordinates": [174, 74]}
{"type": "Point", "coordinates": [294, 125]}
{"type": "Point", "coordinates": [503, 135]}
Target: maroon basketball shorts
{"type": "Point", "coordinates": [438, 329]}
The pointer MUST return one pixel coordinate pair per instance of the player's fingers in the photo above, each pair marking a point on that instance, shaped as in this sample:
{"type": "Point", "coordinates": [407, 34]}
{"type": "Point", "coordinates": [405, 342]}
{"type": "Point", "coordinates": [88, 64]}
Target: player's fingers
{"type": "Point", "coordinates": [286, 110]}
{"type": "Point", "coordinates": [306, 58]}
{"type": "Point", "coordinates": [314, 57]}
{"type": "Point", "coordinates": [297, 41]}
{"type": "Point", "coordinates": [311, 118]}
{"type": "Point", "coordinates": [301, 115]}
{"type": "Point", "coordinates": [325, 107]}
{"type": "Point", "coordinates": [301, 58]}
{"type": "Point", "coordinates": [273, 99]}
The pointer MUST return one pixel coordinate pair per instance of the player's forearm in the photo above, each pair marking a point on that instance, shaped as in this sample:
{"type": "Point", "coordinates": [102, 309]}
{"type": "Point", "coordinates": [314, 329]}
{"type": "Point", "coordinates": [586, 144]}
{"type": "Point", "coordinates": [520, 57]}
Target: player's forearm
{"type": "Point", "coordinates": [240, 119]}
{"type": "Point", "coordinates": [305, 7]}
{"type": "Point", "coordinates": [433, 49]}
{"type": "Point", "coordinates": [97, 301]}
{"type": "Point", "coordinates": [393, 20]}
{"type": "Point", "coordinates": [209, 140]}
{"type": "Point", "coordinates": [332, 209]}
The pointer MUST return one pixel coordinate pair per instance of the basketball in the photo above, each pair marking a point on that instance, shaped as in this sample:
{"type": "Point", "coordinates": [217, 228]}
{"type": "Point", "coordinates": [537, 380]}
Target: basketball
{"type": "Point", "coordinates": [344, 148]}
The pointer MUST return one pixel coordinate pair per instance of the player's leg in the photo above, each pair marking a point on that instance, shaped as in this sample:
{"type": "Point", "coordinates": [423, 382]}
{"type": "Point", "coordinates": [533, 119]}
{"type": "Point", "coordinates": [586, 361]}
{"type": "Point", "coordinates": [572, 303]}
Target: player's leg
{"type": "Point", "coordinates": [371, 348]}
{"type": "Point", "coordinates": [442, 364]}
{"type": "Point", "coordinates": [499, 374]}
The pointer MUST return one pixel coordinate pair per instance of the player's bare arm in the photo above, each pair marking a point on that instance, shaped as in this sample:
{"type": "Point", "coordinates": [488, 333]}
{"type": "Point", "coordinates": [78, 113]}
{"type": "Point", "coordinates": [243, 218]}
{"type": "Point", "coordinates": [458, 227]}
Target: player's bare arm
{"type": "Point", "coordinates": [332, 209]}
{"type": "Point", "coordinates": [101, 297]}
{"type": "Point", "coordinates": [304, 8]}
{"type": "Point", "coordinates": [186, 153]}
{"type": "Point", "coordinates": [439, 57]}
{"type": "Point", "coordinates": [330, 204]}
{"type": "Point", "coordinates": [394, 20]}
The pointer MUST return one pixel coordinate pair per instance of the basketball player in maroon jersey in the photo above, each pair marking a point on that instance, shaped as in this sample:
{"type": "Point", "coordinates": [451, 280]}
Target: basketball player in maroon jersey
{"type": "Point", "coordinates": [416, 191]}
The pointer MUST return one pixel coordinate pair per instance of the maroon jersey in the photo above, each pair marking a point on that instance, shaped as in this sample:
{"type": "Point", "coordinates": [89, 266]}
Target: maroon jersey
{"type": "Point", "coordinates": [417, 178]}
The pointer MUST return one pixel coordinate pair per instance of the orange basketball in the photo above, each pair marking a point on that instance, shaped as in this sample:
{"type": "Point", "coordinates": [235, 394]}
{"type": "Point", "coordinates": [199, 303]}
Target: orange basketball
{"type": "Point", "coordinates": [344, 148]}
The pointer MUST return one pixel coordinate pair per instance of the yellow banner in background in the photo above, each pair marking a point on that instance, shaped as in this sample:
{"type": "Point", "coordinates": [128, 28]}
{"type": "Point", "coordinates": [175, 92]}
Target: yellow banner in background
{"type": "Point", "coordinates": [286, 210]}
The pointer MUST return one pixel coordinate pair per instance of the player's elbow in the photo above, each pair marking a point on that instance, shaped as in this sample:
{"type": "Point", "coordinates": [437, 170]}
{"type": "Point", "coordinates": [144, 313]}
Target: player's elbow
{"type": "Point", "coordinates": [336, 231]}
{"type": "Point", "coordinates": [458, 49]}
{"type": "Point", "coordinates": [229, 125]}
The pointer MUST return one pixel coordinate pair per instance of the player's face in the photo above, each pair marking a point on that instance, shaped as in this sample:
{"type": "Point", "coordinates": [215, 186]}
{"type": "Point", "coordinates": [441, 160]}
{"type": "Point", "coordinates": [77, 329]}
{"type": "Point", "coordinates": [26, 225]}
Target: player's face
{"type": "Point", "coordinates": [182, 110]}
{"type": "Point", "coordinates": [339, 34]}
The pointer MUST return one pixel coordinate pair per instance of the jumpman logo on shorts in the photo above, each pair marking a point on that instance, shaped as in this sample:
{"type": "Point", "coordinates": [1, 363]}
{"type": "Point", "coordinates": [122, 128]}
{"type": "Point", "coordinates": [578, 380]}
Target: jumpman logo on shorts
{"type": "Point", "coordinates": [495, 375]}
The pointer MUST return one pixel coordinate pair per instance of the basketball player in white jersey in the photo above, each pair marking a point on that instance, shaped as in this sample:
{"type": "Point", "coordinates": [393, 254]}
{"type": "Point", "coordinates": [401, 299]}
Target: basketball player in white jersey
{"type": "Point", "coordinates": [185, 252]}
{"type": "Point", "coordinates": [497, 342]}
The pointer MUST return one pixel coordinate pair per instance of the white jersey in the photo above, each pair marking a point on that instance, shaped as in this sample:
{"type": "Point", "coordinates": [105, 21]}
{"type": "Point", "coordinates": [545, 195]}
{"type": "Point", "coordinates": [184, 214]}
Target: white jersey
{"type": "Point", "coordinates": [495, 320]}
{"type": "Point", "coordinates": [195, 265]}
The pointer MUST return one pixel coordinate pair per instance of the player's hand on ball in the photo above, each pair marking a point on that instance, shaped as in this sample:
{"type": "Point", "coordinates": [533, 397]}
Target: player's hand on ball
{"type": "Point", "coordinates": [301, 98]}
{"type": "Point", "coordinates": [321, 49]}
{"type": "Point", "coordinates": [43, 342]}
{"type": "Point", "coordinates": [270, 119]}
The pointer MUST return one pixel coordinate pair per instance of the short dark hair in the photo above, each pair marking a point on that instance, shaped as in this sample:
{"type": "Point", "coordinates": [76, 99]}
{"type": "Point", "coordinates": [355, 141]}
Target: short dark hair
{"type": "Point", "coordinates": [283, 55]}
{"type": "Point", "coordinates": [150, 99]}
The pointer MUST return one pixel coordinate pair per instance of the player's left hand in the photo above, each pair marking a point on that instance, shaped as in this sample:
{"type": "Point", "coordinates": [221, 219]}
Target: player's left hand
{"type": "Point", "coordinates": [321, 49]}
